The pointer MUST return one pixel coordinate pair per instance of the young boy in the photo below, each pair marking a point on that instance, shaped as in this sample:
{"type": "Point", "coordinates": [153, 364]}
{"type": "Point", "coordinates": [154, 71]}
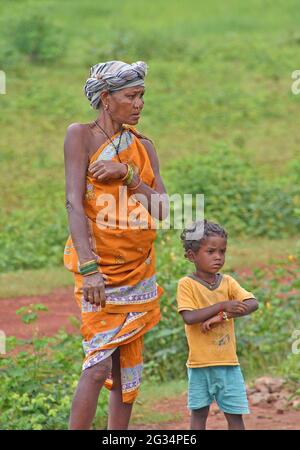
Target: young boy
{"type": "Point", "coordinates": [208, 301]}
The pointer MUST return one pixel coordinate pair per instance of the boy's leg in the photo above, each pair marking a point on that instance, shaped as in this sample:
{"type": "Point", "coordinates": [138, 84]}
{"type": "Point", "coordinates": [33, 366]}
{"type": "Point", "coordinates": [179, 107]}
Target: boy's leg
{"type": "Point", "coordinates": [199, 418]}
{"type": "Point", "coordinates": [231, 395]}
{"type": "Point", "coordinates": [199, 396]}
{"type": "Point", "coordinates": [235, 421]}
{"type": "Point", "coordinates": [119, 412]}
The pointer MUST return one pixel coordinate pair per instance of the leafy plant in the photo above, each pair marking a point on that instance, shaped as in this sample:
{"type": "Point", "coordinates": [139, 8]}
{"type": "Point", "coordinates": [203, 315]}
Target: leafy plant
{"type": "Point", "coordinates": [38, 38]}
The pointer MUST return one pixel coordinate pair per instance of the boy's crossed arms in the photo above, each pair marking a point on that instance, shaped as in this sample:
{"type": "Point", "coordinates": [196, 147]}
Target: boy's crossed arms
{"type": "Point", "coordinates": [214, 314]}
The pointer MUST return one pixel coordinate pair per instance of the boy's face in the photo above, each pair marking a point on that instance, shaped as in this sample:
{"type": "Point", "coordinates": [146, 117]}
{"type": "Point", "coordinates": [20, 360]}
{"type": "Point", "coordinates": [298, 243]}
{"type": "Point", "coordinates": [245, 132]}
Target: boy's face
{"type": "Point", "coordinates": [210, 257]}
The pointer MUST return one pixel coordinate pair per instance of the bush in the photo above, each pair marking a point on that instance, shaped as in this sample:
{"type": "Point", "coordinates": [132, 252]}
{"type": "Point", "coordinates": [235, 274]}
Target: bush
{"type": "Point", "coordinates": [38, 39]}
{"type": "Point", "coordinates": [37, 386]}
{"type": "Point", "coordinates": [235, 196]}
{"type": "Point", "coordinates": [124, 45]}
{"type": "Point", "coordinates": [34, 236]}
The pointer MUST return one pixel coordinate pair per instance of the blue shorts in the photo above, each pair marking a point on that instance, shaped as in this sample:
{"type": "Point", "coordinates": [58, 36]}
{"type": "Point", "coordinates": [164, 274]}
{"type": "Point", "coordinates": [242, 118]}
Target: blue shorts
{"type": "Point", "coordinates": [225, 384]}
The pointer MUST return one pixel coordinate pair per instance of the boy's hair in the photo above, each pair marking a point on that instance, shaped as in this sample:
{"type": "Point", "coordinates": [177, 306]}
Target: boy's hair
{"type": "Point", "coordinates": [197, 232]}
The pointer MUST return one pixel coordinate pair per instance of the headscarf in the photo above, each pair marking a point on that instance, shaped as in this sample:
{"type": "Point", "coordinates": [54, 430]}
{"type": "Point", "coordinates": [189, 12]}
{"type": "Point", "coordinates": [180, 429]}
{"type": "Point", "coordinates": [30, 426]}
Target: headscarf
{"type": "Point", "coordinates": [113, 76]}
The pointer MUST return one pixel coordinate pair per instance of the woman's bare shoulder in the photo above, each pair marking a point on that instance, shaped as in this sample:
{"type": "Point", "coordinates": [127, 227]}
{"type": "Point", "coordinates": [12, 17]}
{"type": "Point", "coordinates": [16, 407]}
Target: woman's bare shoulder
{"type": "Point", "coordinates": [78, 129]}
{"type": "Point", "coordinates": [78, 134]}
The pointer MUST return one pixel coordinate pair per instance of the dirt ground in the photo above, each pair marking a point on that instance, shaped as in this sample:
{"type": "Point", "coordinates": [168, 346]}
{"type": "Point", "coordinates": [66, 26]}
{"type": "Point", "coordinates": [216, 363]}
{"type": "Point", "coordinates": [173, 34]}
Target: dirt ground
{"type": "Point", "coordinates": [261, 418]}
{"type": "Point", "coordinates": [62, 306]}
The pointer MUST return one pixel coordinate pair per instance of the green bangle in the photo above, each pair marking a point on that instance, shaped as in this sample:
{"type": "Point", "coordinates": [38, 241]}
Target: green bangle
{"type": "Point", "coordinates": [130, 175]}
{"type": "Point", "coordinates": [90, 273]}
{"type": "Point", "coordinates": [88, 268]}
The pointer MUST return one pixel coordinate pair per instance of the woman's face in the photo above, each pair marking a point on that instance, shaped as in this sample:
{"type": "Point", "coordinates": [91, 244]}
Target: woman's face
{"type": "Point", "coordinates": [125, 106]}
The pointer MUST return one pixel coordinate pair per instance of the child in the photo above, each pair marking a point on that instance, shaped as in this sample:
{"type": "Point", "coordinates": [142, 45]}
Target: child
{"type": "Point", "coordinates": [208, 301]}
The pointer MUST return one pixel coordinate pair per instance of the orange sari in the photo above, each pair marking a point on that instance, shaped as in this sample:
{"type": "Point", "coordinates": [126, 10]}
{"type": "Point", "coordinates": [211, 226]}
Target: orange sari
{"type": "Point", "coordinates": [126, 256]}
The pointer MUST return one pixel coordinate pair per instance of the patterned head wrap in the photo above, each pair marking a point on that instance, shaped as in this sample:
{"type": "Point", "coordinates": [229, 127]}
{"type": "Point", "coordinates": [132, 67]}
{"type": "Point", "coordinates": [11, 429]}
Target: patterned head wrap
{"type": "Point", "coordinates": [113, 76]}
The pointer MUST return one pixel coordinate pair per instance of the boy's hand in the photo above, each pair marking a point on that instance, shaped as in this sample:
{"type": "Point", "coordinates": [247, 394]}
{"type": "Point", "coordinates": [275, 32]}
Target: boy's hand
{"type": "Point", "coordinates": [235, 307]}
{"type": "Point", "coordinates": [205, 326]}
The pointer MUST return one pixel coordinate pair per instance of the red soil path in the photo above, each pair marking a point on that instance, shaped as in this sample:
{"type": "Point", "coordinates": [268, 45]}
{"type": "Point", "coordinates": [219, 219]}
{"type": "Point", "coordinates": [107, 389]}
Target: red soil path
{"type": "Point", "coordinates": [261, 418]}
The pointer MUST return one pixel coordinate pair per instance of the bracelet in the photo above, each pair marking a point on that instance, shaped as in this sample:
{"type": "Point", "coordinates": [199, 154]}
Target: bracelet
{"type": "Point", "coordinates": [88, 262]}
{"type": "Point", "coordinates": [124, 178]}
{"type": "Point", "coordinates": [90, 273]}
{"type": "Point", "coordinates": [129, 175]}
{"type": "Point", "coordinates": [225, 317]}
{"type": "Point", "coordinates": [88, 267]}
{"type": "Point", "coordinates": [88, 270]}
{"type": "Point", "coordinates": [135, 187]}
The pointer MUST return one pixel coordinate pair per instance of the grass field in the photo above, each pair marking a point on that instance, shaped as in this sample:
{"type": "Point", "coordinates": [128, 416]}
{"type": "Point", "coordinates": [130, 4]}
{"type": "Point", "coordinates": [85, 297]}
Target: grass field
{"type": "Point", "coordinates": [217, 73]}
{"type": "Point", "coordinates": [240, 255]}
{"type": "Point", "coordinates": [219, 88]}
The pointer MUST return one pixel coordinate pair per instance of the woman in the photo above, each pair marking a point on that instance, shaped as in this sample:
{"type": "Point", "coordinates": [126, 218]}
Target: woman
{"type": "Point", "coordinates": [107, 162]}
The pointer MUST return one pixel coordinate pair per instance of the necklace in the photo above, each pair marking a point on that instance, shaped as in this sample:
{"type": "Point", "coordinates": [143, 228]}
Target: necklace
{"type": "Point", "coordinates": [211, 284]}
{"type": "Point", "coordinates": [110, 140]}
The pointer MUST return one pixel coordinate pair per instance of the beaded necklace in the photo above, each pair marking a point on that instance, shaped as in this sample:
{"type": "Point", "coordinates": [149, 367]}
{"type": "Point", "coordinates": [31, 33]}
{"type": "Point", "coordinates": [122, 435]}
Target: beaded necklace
{"type": "Point", "coordinates": [120, 138]}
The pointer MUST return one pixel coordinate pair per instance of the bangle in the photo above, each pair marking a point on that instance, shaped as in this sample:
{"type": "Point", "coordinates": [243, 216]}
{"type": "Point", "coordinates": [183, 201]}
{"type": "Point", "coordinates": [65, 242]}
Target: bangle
{"type": "Point", "coordinates": [225, 317]}
{"type": "Point", "coordinates": [88, 262]}
{"type": "Point", "coordinates": [127, 166]}
{"type": "Point", "coordinates": [90, 273]}
{"type": "Point", "coordinates": [135, 187]}
{"type": "Point", "coordinates": [129, 176]}
{"type": "Point", "coordinates": [88, 270]}
{"type": "Point", "coordinates": [88, 267]}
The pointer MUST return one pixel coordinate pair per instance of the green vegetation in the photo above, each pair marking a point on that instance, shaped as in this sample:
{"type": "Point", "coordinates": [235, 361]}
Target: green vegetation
{"type": "Point", "coordinates": [219, 77]}
{"type": "Point", "coordinates": [236, 197]}
{"type": "Point", "coordinates": [220, 110]}
{"type": "Point", "coordinates": [37, 385]}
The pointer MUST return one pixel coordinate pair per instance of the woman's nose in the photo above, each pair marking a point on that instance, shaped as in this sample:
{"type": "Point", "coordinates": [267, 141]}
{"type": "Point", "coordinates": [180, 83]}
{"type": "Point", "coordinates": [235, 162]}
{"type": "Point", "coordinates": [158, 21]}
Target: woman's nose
{"type": "Point", "coordinates": [138, 104]}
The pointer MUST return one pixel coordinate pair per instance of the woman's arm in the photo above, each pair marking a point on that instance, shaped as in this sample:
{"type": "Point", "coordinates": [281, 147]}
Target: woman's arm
{"type": "Point", "coordinates": [76, 163]}
{"type": "Point", "coordinates": [158, 205]}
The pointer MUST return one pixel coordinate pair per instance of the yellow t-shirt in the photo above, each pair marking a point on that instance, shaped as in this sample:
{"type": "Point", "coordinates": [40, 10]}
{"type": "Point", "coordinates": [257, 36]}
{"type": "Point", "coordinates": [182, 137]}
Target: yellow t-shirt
{"type": "Point", "coordinates": [217, 347]}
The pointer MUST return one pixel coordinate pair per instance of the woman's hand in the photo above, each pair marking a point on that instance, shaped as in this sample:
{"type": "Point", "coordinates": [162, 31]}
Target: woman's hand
{"type": "Point", "coordinates": [93, 289]}
{"type": "Point", "coordinates": [206, 326]}
{"type": "Point", "coordinates": [107, 170]}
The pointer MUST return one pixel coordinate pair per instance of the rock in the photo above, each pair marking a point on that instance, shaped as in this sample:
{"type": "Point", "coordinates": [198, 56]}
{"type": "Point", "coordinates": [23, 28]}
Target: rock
{"type": "Point", "coordinates": [268, 384]}
{"type": "Point", "coordinates": [261, 385]}
{"type": "Point", "coordinates": [296, 403]}
{"type": "Point", "coordinates": [280, 406]}
{"type": "Point", "coordinates": [271, 398]}
{"type": "Point", "coordinates": [259, 399]}
{"type": "Point", "coordinates": [276, 385]}
{"type": "Point", "coordinates": [285, 395]}
{"type": "Point", "coordinates": [250, 391]}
